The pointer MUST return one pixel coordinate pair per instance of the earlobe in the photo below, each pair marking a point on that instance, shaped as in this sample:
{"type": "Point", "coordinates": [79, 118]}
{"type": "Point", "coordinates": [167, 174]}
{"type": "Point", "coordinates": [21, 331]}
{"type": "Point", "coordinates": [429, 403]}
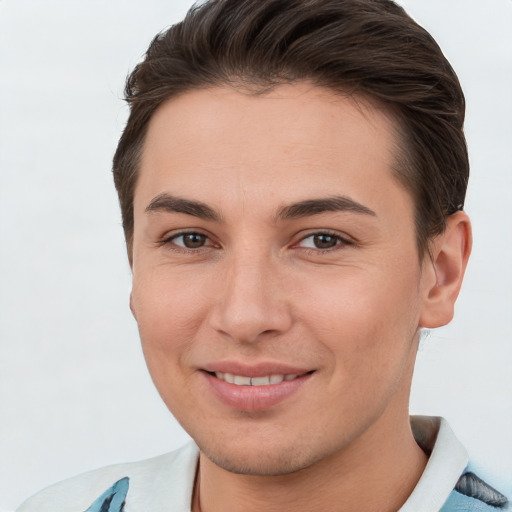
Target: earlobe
{"type": "Point", "coordinates": [449, 256]}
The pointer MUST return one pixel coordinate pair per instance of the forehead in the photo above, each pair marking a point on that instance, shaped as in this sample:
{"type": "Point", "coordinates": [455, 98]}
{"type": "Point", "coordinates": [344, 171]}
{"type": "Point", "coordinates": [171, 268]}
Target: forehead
{"type": "Point", "coordinates": [223, 146]}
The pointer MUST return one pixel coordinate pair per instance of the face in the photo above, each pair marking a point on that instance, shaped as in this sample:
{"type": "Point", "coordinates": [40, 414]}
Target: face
{"type": "Point", "coordinates": [276, 281]}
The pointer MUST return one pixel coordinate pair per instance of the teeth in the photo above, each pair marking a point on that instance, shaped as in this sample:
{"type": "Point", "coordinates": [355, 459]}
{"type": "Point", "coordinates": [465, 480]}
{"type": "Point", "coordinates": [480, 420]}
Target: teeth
{"type": "Point", "coordinates": [260, 381]}
{"type": "Point", "coordinates": [241, 380]}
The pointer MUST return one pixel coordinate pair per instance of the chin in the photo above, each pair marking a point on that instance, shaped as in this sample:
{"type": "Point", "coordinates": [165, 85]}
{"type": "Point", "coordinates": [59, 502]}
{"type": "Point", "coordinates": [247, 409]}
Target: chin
{"type": "Point", "coordinates": [260, 464]}
{"type": "Point", "coordinates": [262, 459]}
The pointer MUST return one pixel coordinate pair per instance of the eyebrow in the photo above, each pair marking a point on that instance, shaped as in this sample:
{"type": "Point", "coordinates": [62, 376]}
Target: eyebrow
{"type": "Point", "coordinates": [173, 204]}
{"type": "Point", "coordinates": [311, 207]}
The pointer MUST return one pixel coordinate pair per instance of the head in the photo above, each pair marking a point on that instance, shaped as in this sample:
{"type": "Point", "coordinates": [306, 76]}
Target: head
{"type": "Point", "coordinates": [367, 48]}
{"type": "Point", "coordinates": [285, 170]}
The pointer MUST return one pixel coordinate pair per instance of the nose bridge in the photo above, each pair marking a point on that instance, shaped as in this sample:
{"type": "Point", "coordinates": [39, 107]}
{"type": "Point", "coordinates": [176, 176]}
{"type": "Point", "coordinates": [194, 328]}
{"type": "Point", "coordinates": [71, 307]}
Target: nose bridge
{"type": "Point", "coordinates": [251, 303]}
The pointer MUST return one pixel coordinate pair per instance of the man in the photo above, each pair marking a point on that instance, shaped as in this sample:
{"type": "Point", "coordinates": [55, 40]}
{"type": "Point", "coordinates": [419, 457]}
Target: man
{"type": "Point", "coordinates": [292, 180]}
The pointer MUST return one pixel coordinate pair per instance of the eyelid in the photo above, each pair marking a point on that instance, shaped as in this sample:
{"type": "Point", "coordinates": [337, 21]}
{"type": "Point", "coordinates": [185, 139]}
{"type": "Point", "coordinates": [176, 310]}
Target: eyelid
{"type": "Point", "coordinates": [343, 240]}
{"type": "Point", "coordinates": [168, 239]}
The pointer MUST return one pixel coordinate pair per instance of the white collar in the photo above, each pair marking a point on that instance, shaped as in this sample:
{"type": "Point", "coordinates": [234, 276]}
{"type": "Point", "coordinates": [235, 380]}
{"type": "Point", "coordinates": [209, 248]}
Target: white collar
{"type": "Point", "coordinates": [447, 461]}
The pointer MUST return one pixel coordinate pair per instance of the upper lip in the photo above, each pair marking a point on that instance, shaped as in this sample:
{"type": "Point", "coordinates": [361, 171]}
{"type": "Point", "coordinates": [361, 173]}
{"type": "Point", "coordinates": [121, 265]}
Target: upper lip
{"type": "Point", "coordinates": [255, 370]}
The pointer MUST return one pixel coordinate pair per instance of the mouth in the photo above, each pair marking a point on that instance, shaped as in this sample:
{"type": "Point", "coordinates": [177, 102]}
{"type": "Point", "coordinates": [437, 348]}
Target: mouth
{"type": "Point", "coordinates": [264, 380]}
{"type": "Point", "coordinates": [259, 392]}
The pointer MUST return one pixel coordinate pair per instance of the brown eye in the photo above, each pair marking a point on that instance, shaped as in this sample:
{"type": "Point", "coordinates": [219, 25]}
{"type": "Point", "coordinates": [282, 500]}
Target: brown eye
{"type": "Point", "coordinates": [325, 241]}
{"type": "Point", "coordinates": [191, 240]}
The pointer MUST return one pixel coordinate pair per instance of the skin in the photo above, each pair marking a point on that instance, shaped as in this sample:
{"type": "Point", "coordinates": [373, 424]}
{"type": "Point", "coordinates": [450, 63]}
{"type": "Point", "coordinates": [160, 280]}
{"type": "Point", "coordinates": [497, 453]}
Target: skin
{"type": "Point", "coordinates": [255, 286]}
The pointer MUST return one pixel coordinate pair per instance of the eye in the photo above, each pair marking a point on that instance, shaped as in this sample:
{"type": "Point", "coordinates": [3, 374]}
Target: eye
{"type": "Point", "coordinates": [323, 241]}
{"type": "Point", "coordinates": [189, 240]}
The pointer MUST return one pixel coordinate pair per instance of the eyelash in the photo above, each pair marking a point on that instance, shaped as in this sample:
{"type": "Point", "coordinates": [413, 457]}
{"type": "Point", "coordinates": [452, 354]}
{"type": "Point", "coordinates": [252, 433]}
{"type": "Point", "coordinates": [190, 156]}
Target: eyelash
{"type": "Point", "coordinates": [170, 241]}
{"type": "Point", "coordinates": [341, 242]}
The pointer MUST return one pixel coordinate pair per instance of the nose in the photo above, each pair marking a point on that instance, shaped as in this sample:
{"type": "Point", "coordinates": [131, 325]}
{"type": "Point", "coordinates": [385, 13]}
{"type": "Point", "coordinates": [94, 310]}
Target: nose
{"type": "Point", "coordinates": [252, 303]}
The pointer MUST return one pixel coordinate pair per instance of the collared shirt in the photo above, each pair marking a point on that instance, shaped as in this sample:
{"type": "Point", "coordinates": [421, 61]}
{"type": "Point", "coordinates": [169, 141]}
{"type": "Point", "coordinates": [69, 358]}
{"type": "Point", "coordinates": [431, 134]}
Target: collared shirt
{"type": "Point", "coordinates": [165, 483]}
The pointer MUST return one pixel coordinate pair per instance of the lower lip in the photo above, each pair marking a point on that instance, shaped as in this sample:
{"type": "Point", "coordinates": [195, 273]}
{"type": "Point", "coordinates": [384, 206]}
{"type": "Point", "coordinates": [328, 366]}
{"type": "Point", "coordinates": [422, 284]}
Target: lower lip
{"type": "Point", "coordinates": [254, 398]}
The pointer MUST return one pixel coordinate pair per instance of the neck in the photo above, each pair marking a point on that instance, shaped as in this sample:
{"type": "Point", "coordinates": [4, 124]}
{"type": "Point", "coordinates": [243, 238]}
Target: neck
{"type": "Point", "coordinates": [375, 473]}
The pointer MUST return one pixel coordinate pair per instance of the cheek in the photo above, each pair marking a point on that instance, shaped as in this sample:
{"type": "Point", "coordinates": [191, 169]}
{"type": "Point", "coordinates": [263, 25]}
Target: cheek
{"type": "Point", "coordinates": [365, 319]}
{"type": "Point", "coordinates": [169, 313]}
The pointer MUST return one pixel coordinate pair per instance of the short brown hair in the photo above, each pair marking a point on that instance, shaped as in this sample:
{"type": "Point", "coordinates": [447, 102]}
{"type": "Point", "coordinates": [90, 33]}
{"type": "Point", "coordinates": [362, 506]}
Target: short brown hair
{"type": "Point", "coordinates": [366, 47]}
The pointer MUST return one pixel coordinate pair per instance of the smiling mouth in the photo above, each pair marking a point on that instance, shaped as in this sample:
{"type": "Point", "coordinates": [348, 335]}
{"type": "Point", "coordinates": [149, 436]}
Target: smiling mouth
{"type": "Point", "coordinates": [242, 380]}
{"type": "Point", "coordinates": [259, 392]}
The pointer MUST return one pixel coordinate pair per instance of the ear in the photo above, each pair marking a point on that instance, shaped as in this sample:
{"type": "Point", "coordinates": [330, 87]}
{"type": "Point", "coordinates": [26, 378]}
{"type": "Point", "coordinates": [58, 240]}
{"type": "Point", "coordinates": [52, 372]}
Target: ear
{"type": "Point", "coordinates": [444, 271]}
{"type": "Point", "coordinates": [132, 308]}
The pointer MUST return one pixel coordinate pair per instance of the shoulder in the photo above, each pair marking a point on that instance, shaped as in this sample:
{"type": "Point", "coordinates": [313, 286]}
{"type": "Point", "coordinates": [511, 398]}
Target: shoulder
{"type": "Point", "coordinates": [146, 484]}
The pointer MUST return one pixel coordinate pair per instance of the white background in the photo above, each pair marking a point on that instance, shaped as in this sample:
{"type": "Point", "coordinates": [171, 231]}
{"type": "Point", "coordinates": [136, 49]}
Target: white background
{"type": "Point", "coordinates": [74, 391]}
